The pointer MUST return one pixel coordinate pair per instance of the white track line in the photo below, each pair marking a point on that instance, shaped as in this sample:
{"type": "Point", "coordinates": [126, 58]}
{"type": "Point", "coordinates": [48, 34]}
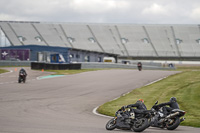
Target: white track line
{"type": "Point", "coordinates": [155, 81]}
{"type": "Point", "coordinates": [94, 111]}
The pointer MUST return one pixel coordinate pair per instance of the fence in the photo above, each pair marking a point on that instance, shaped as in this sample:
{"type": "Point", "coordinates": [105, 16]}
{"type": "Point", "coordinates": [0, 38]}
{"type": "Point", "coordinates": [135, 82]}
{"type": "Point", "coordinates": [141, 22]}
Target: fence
{"type": "Point", "coordinates": [15, 63]}
{"type": "Point", "coordinates": [80, 65]}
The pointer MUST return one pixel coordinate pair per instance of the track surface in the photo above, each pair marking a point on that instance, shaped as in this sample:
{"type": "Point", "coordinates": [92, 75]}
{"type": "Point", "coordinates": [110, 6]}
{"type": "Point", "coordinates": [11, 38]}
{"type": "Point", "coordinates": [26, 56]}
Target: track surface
{"type": "Point", "coordinates": [65, 104]}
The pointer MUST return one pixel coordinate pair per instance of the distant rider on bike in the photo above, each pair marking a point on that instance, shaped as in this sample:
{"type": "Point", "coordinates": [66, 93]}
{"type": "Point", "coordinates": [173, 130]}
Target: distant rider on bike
{"type": "Point", "coordinates": [22, 70]}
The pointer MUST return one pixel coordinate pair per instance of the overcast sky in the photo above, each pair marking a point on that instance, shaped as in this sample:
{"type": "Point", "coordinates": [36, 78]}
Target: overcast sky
{"type": "Point", "coordinates": [102, 11]}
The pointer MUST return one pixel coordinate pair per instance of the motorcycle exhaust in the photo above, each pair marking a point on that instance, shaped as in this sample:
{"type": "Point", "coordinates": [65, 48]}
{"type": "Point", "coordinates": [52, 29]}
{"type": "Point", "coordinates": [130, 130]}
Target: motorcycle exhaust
{"type": "Point", "coordinates": [172, 115]}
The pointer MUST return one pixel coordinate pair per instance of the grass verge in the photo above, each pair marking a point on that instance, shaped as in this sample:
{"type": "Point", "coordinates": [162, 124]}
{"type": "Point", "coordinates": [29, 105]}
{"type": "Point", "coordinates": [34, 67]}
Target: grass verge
{"type": "Point", "coordinates": [3, 71]}
{"type": "Point", "coordinates": [184, 86]}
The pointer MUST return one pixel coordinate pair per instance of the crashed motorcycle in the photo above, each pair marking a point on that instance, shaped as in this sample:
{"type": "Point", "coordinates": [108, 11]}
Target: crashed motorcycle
{"type": "Point", "coordinates": [171, 121]}
{"type": "Point", "coordinates": [126, 119]}
{"type": "Point", "coordinates": [22, 77]}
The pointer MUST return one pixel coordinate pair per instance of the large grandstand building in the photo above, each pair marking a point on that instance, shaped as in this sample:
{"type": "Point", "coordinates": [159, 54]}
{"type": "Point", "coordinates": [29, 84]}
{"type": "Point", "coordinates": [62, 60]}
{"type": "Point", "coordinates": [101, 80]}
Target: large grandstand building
{"type": "Point", "coordinates": [132, 41]}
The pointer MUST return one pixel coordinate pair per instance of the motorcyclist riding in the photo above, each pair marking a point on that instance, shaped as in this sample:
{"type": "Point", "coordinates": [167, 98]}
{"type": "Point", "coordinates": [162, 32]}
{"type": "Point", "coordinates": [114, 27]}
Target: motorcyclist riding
{"type": "Point", "coordinates": [139, 65]}
{"type": "Point", "coordinates": [130, 119]}
{"type": "Point", "coordinates": [139, 105]}
{"type": "Point", "coordinates": [22, 75]}
{"type": "Point", "coordinates": [172, 105]}
{"type": "Point", "coordinates": [22, 70]}
{"type": "Point", "coordinates": [166, 117]}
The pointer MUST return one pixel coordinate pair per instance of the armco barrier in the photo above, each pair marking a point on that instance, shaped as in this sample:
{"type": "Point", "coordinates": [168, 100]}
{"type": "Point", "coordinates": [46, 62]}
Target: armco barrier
{"type": "Point", "coordinates": [82, 65]}
{"type": "Point", "coordinates": [15, 63]}
{"type": "Point", "coordinates": [89, 65]}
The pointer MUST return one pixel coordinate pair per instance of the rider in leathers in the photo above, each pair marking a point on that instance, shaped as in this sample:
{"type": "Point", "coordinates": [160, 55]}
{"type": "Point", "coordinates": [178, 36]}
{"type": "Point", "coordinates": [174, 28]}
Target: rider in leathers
{"type": "Point", "coordinates": [139, 105]}
{"type": "Point", "coordinates": [172, 105]}
{"type": "Point", "coordinates": [140, 108]}
{"type": "Point", "coordinates": [23, 71]}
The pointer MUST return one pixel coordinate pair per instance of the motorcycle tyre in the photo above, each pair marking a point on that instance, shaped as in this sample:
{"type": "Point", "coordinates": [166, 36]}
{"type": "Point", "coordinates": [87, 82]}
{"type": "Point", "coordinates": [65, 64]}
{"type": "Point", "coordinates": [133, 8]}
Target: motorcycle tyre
{"type": "Point", "coordinates": [19, 80]}
{"type": "Point", "coordinates": [149, 123]}
{"type": "Point", "coordinates": [139, 68]}
{"type": "Point", "coordinates": [142, 128]}
{"type": "Point", "coordinates": [109, 123]}
{"type": "Point", "coordinates": [175, 125]}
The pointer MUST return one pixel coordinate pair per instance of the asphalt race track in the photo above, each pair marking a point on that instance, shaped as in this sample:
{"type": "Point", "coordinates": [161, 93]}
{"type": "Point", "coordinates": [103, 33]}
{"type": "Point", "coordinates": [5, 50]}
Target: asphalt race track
{"type": "Point", "coordinates": [65, 104]}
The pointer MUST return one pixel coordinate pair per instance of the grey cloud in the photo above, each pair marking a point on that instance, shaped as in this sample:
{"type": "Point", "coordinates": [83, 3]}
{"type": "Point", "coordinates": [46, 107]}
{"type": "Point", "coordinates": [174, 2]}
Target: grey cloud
{"type": "Point", "coordinates": [103, 11]}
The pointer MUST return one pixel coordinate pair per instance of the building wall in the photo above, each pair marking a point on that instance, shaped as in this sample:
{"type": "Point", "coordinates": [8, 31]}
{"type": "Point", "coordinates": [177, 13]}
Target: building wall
{"type": "Point", "coordinates": [70, 55]}
{"type": "Point", "coordinates": [35, 49]}
{"type": "Point", "coordinates": [85, 56]}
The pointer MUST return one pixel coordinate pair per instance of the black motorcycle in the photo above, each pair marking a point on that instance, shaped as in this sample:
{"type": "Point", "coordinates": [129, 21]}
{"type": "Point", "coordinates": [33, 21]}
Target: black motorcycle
{"type": "Point", "coordinates": [171, 121]}
{"type": "Point", "coordinates": [22, 77]}
{"type": "Point", "coordinates": [139, 65]}
{"type": "Point", "coordinates": [126, 119]}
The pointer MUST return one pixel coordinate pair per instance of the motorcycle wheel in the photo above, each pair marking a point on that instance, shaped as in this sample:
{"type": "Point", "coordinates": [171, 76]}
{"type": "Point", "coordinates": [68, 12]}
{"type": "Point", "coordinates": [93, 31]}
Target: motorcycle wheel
{"type": "Point", "coordinates": [139, 68]}
{"type": "Point", "coordinates": [140, 125]}
{"type": "Point", "coordinates": [174, 125]}
{"type": "Point", "coordinates": [111, 124]}
{"type": "Point", "coordinates": [149, 123]}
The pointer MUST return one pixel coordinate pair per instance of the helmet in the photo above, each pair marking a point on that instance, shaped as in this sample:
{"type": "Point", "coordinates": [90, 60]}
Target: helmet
{"type": "Point", "coordinates": [172, 99]}
{"type": "Point", "coordinates": [140, 100]}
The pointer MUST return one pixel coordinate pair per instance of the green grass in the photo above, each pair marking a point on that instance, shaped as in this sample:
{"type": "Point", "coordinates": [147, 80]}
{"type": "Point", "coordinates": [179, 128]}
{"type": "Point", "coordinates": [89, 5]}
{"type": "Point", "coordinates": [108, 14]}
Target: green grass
{"type": "Point", "coordinates": [184, 86]}
{"type": "Point", "coordinates": [3, 71]}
